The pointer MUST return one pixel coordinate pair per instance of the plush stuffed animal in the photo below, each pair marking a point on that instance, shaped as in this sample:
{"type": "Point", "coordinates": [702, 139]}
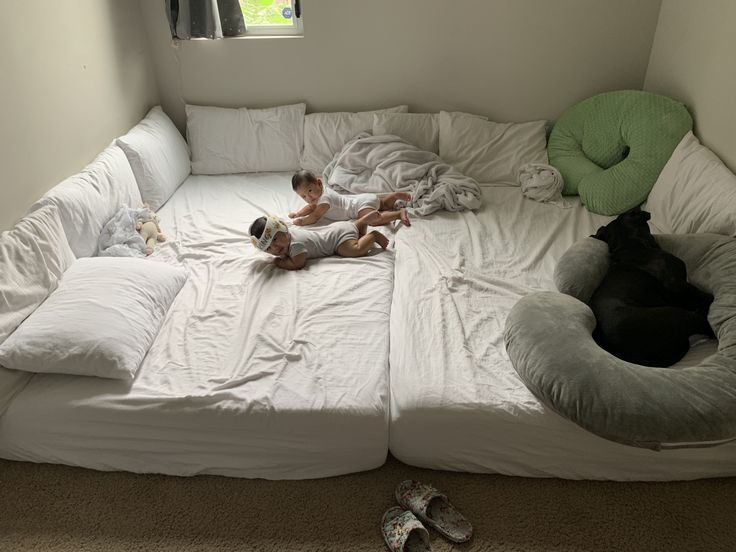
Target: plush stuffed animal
{"type": "Point", "coordinates": [147, 226]}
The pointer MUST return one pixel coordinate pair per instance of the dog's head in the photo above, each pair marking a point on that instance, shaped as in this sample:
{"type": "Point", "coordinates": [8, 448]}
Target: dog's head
{"type": "Point", "coordinates": [628, 230]}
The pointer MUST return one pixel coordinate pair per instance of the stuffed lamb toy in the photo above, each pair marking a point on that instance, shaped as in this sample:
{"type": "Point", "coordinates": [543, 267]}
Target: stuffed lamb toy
{"type": "Point", "coordinates": [147, 227]}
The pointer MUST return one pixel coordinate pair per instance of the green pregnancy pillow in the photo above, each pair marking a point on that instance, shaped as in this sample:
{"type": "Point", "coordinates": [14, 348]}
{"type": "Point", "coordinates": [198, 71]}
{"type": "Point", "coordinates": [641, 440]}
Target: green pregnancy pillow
{"type": "Point", "coordinates": [611, 148]}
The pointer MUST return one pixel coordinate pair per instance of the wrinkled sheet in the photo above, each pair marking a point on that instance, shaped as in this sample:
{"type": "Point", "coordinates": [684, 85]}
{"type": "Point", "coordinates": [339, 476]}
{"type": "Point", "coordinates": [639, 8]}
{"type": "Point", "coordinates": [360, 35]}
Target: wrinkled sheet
{"type": "Point", "coordinates": [386, 163]}
{"type": "Point", "coordinates": [456, 401]}
{"type": "Point", "coordinates": [256, 372]}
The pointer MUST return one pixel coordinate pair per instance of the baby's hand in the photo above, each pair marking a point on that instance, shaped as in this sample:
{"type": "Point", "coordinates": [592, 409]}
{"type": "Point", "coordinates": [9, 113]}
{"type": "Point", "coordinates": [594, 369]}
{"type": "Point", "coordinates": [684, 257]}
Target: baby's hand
{"type": "Point", "coordinates": [293, 215]}
{"type": "Point", "coordinates": [299, 221]}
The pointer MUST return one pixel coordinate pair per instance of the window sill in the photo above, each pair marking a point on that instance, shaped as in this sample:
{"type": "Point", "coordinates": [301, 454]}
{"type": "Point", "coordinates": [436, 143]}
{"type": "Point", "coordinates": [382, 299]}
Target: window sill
{"type": "Point", "coordinates": [250, 37]}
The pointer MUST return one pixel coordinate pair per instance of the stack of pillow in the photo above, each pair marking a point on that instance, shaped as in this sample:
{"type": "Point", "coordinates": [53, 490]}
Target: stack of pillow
{"type": "Point", "coordinates": [230, 140]}
{"type": "Point", "coordinates": [67, 311]}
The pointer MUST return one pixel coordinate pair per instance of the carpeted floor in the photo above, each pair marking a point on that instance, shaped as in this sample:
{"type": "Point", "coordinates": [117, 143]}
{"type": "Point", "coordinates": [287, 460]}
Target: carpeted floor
{"type": "Point", "coordinates": [59, 508]}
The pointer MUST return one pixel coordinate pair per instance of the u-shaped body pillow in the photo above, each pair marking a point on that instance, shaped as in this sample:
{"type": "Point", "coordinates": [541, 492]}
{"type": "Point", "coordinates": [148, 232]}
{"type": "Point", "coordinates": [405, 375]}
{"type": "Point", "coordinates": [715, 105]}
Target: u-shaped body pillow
{"type": "Point", "coordinates": [549, 341]}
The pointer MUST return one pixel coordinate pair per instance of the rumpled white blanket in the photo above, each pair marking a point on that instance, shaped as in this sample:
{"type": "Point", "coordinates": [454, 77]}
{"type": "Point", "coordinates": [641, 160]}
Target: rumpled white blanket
{"type": "Point", "coordinates": [542, 182]}
{"type": "Point", "coordinates": [386, 163]}
{"type": "Point", "coordinates": [119, 238]}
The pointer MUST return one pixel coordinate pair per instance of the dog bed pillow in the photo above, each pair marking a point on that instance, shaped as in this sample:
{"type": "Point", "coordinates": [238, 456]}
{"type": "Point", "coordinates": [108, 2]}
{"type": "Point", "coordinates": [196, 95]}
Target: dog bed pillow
{"type": "Point", "coordinates": [611, 147]}
{"type": "Point", "coordinates": [549, 341]}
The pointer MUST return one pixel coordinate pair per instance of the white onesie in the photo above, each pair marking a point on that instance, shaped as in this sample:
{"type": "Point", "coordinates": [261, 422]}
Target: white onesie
{"type": "Point", "coordinates": [346, 207]}
{"type": "Point", "coordinates": [322, 241]}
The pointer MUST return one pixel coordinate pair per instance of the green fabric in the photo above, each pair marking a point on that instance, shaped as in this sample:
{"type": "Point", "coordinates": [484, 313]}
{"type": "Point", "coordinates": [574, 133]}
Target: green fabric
{"type": "Point", "coordinates": [549, 341]}
{"type": "Point", "coordinates": [611, 147]}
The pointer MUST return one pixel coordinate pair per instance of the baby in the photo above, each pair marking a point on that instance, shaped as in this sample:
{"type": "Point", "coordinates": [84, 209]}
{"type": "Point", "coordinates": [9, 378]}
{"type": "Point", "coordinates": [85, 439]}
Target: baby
{"type": "Point", "coordinates": [325, 202]}
{"type": "Point", "coordinates": [293, 247]}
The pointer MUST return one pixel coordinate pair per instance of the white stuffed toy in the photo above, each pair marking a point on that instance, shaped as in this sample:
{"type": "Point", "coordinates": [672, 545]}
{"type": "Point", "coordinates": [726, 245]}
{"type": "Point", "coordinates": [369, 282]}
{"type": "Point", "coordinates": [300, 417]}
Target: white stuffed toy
{"type": "Point", "coordinates": [146, 223]}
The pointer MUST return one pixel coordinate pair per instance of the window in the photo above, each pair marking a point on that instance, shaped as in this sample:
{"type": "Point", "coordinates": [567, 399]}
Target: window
{"type": "Point", "coordinates": [272, 17]}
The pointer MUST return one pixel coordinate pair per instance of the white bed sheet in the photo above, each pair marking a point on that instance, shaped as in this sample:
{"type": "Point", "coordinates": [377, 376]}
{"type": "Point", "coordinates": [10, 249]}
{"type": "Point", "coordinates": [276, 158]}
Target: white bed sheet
{"type": "Point", "coordinates": [256, 372]}
{"type": "Point", "coordinates": [456, 400]}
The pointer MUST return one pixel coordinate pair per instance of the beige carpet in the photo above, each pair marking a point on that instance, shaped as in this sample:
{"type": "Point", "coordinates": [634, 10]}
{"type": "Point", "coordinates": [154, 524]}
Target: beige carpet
{"type": "Point", "coordinates": [46, 507]}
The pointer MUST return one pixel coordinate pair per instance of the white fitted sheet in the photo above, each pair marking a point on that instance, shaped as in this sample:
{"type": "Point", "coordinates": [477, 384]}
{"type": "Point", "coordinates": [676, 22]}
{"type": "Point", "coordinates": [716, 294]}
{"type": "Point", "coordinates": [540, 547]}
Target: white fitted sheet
{"type": "Point", "coordinates": [256, 372]}
{"type": "Point", "coordinates": [456, 400]}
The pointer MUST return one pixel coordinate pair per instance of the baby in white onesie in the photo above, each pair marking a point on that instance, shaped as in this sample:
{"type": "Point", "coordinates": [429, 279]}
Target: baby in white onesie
{"type": "Point", "coordinates": [292, 247]}
{"type": "Point", "coordinates": [325, 202]}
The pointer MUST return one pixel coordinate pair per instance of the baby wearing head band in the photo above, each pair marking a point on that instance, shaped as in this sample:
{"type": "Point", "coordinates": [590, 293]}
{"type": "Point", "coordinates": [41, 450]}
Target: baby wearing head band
{"type": "Point", "coordinates": [293, 246]}
{"type": "Point", "coordinates": [273, 226]}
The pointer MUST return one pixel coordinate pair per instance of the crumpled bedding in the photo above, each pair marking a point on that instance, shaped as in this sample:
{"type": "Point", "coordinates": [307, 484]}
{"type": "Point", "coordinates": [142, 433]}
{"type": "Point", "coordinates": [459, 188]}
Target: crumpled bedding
{"type": "Point", "coordinates": [386, 163]}
{"type": "Point", "coordinates": [119, 238]}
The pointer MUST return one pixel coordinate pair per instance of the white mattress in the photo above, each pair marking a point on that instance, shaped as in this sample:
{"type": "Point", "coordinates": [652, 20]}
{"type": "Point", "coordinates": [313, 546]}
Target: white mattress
{"type": "Point", "coordinates": [456, 400]}
{"type": "Point", "coordinates": [256, 372]}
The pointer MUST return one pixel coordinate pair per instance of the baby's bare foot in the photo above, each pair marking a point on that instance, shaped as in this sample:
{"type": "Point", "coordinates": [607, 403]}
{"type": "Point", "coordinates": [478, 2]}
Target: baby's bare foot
{"type": "Point", "coordinates": [404, 217]}
{"type": "Point", "coordinates": [403, 195]}
{"type": "Point", "coordinates": [380, 239]}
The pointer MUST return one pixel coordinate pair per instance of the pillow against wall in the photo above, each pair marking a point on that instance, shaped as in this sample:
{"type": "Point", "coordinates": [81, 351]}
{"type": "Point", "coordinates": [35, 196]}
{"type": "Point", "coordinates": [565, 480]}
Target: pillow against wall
{"type": "Point", "coordinates": [158, 155]}
{"type": "Point", "coordinates": [100, 321]}
{"type": "Point", "coordinates": [87, 200]}
{"type": "Point", "coordinates": [488, 151]}
{"type": "Point", "coordinates": [227, 141]}
{"type": "Point", "coordinates": [34, 255]}
{"type": "Point", "coordinates": [326, 133]}
{"type": "Point", "coordinates": [694, 193]}
{"type": "Point", "coordinates": [419, 129]}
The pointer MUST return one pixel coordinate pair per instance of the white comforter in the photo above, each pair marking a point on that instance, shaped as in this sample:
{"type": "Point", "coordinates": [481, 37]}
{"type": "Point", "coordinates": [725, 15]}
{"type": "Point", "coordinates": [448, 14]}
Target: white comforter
{"type": "Point", "coordinates": [386, 163]}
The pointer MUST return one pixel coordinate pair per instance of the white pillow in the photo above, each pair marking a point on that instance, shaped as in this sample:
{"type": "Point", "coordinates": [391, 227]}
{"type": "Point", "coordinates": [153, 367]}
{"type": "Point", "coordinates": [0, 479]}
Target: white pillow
{"type": "Point", "coordinates": [158, 155]}
{"type": "Point", "coordinates": [695, 192]}
{"type": "Point", "coordinates": [419, 129]}
{"type": "Point", "coordinates": [488, 151]}
{"type": "Point", "coordinates": [87, 200]}
{"type": "Point", "coordinates": [33, 255]}
{"type": "Point", "coordinates": [326, 133]}
{"type": "Point", "coordinates": [226, 141]}
{"type": "Point", "coordinates": [100, 321]}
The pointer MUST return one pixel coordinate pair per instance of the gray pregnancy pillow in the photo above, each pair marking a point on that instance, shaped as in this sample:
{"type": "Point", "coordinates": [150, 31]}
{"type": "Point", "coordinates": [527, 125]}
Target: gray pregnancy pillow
{"type": "Point", "coordinates": [549, 340]}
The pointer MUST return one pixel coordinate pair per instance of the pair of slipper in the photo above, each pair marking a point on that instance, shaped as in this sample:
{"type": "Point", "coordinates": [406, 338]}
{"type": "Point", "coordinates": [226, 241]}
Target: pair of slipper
{"type": "Point", "coordinates": [420, 504]}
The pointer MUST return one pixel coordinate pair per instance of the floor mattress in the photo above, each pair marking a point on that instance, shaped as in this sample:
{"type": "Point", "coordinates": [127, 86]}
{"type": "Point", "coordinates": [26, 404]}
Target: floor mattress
{"type": "Point", "coordinates": [256, 371]}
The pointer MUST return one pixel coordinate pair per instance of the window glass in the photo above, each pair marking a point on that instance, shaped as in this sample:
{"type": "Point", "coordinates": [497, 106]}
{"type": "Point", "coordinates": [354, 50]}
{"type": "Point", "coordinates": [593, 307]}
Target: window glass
{"type": "Point", "coordinates": [270, 17]}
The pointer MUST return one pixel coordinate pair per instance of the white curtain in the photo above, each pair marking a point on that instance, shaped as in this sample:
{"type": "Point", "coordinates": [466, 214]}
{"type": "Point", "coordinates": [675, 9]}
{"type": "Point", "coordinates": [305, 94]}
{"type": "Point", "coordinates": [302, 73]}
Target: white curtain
{"type": "Point", "coordinates": [204, 18]}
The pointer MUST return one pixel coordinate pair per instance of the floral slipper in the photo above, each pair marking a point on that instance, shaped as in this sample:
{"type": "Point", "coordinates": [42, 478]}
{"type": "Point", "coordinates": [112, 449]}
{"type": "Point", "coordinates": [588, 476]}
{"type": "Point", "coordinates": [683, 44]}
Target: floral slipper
{"type": "Point", "coordinates": [433, 508]}
{"type": "Point", "coordinates": [403, 532]}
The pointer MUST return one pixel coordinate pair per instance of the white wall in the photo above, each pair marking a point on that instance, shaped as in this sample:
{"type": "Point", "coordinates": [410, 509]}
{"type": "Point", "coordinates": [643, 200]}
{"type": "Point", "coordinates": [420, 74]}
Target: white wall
{"type": "Point", "coordinates": [73, 75]}
{"type": "Point", "coordinates": [512, 60]}
{"type": "Point", "coordinates": [693, 60]}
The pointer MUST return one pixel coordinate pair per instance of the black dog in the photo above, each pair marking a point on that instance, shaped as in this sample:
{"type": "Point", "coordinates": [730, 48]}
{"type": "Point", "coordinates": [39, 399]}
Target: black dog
{"type": "Point", "coordinates": [645, 307]}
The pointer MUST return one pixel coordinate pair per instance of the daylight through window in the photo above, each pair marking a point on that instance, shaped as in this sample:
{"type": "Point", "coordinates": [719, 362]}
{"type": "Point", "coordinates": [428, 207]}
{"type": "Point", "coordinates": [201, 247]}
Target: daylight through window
{"type": "Point", "coordinates": [271, 17]}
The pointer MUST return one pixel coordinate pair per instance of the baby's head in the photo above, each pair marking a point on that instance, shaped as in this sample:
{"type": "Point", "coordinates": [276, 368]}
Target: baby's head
{"type": "Point", "coordinates": [271, 235]}
{"type": "Point", "coordinates": [306, 184]}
